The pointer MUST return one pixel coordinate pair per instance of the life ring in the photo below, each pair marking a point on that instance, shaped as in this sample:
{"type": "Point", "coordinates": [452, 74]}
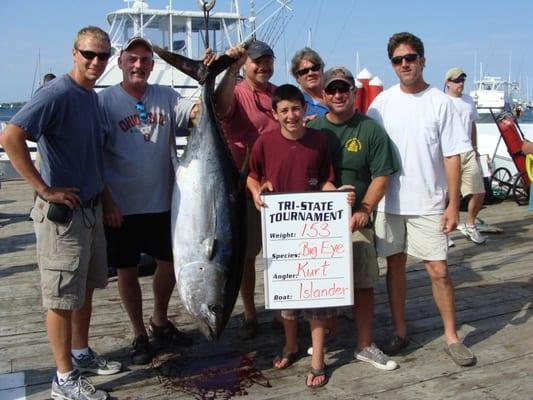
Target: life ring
{"type": "Point", "coordinates": [529, 166]}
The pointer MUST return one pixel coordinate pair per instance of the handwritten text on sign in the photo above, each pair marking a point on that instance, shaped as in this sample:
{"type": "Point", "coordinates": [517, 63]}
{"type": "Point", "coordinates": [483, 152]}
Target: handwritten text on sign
{"type": "Point", "coordinates": [307, 250]}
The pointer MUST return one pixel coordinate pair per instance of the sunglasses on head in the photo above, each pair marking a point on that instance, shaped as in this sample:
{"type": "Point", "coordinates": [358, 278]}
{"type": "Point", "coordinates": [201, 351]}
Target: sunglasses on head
{"type": "Point", "coordinates": [339, 87]}
{"type": "Point", "coordinates": [461, 79]}
{"type": "Point", "coordinates": [142, 111]}
{"type": "Point", "coordinates": [407, 57]}
{"type": "Point", "coordinates": [305, 71]}
{"type": "Point", "coordinates": [89, 55]}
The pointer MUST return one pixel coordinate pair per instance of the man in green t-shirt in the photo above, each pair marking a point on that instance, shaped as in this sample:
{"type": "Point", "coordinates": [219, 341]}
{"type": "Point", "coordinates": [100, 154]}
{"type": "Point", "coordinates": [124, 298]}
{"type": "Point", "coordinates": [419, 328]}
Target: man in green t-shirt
{"type": "Point", "coordinates": [363, 156]}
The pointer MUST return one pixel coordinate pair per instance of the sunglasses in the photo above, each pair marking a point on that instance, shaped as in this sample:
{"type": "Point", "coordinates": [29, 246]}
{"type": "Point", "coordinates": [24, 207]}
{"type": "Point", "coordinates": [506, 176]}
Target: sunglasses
{"type": "Point", "coordinates": [408, 57]}
{"type": "Point", "coordinates": [142, 111]}
{"type": "Point", "coordinates": [89, 55]}
{"type": "Point", "coordinates": [333, 89]}
{"type": "Point", "coordinates": [457, 80]}
{"type": "Point", "coordinates": [305, 71]}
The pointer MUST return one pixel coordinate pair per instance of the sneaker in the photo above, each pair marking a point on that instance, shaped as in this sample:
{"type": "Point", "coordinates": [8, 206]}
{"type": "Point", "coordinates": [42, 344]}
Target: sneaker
{"type": "Point", "coordinates": [96, 364]}
{"type": "Point", "coordinates": [395, 344]}
{"type": "Point", "coordinates": [460, 354]}
{"type": "Point", "coordinates": [373, 355]}
{"type": "Point", "coordinates": [140, 352]}
{"type": "Point", "coordinates": [77, 387]}
{"type": "Point", "coordinates": [331, 343]}
{"type": "Point", "coordinates": [169, 334]}
{"type": "Point", "coordinates": [471, 232]}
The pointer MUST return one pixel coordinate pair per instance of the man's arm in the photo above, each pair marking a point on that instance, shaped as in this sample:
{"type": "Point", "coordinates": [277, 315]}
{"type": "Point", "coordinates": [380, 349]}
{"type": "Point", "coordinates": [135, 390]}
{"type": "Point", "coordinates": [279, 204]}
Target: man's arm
{"type": "Point", "coordinates": [225, 89]}
{"type": "Point", "coordinates": [527, 147]}
{"type": "Point", "coordinates": [14, 143]}
{"type": "Point", "coordinates": [450, 218]}
{"type": "Point", "coordinates": [473, 137]}
{"type": "Point", "coordinates": [375, 192]}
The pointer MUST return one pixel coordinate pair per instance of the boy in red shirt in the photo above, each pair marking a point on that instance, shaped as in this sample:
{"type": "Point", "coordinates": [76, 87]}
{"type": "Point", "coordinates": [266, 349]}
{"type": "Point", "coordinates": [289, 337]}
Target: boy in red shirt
{"type": "Point", "coordinates": [294, 159]}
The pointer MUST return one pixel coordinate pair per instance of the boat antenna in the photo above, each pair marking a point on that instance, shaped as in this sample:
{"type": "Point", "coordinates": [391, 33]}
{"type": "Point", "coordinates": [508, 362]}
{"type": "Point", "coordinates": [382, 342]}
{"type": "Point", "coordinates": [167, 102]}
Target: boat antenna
{"type": "Point", "coordinates": [206, 6]}
{"type": "Point", "coordinates": [252, 19]}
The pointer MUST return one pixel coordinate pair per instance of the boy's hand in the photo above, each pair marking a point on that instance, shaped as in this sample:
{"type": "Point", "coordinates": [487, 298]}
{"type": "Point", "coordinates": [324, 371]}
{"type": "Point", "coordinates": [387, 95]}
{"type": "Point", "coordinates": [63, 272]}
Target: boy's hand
{"type": "Point", "coordinates": [350, 198]}
{"type": "Point", "coordinates": [265, 187]}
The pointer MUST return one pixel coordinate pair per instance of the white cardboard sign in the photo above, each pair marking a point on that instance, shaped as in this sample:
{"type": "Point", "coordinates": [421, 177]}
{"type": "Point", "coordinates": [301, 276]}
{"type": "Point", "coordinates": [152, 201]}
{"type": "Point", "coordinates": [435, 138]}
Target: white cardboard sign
{"type": "Point", "coordinates": [307, 250]}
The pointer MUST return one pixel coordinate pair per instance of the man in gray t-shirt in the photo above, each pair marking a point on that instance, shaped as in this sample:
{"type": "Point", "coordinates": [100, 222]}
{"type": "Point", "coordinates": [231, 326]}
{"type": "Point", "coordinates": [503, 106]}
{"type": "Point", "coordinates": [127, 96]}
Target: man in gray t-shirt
{"type": "Point", "coordinates": [66, 121]}
{"type": "Point", "coordinates": [141, 124]}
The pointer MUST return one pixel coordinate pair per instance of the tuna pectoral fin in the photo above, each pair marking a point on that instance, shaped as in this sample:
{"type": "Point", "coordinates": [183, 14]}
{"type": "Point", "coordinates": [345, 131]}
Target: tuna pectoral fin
{"type": "Point", "coordinates": [208, 244]}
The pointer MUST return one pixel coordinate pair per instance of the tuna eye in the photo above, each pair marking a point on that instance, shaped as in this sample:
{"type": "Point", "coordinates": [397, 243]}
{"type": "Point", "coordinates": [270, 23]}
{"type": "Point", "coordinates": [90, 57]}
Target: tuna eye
{"type": "Point", "coordinates": [214, 308]}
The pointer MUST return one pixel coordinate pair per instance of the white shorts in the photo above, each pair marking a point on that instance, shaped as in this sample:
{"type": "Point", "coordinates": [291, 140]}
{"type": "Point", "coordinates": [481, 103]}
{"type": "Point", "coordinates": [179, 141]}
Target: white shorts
{"type": "Point", "coordinates": [471, 174]}
{"type": "Point", "coordinates": [419, 236]}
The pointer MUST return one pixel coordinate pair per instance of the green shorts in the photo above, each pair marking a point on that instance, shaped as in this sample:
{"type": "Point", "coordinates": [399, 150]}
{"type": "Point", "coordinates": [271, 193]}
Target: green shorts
{"type": "Point", "coordinates": [71, 257]}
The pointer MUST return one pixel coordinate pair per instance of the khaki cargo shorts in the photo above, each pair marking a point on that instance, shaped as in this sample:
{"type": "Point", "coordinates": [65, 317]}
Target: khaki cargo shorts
{"type": "Point", "coordinates": [71, 257]}
{"type": "Point", "coordinates": [419, 236]}
{"type": "Point", "coordinates": [471, 174]}
{"type": "Point", "coordinates": [365, 262]}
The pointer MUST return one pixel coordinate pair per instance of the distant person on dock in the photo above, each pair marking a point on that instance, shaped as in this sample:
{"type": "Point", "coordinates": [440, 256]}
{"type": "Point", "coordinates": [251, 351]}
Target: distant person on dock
{"type": "Point", "coordinates": [66, 121]}
{"type": "Point", "coordinates": [245, 110]}
{"type": "Point", "coordinates": [471, 173]}
{"type": "Point", "coordinates": [293, 158]}
{"type": "Point", "coordinates": [307, 67]}
{"type": "Point", "coordinates": [141, 125]}
{"type": "Point", "coordinates": [363, 156]}
{"type": "Point", "coordinates": [413, 217]}
{"type": "Point", "coordinates": [48, 77]}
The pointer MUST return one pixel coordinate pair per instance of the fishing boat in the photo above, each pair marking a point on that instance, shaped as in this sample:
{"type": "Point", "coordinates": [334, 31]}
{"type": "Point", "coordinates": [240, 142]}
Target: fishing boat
{"type": "Point", "coordinates": [184, 32]}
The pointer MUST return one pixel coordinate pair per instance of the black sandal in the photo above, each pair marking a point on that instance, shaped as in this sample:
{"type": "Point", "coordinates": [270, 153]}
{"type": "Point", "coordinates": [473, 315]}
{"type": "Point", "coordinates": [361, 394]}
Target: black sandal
{"type": "Point", "coordinates": [316, 373]}
{"type": "Point", "coordinates": [286, 355]}
{"type": "Point", "coordinates": [170, 334]}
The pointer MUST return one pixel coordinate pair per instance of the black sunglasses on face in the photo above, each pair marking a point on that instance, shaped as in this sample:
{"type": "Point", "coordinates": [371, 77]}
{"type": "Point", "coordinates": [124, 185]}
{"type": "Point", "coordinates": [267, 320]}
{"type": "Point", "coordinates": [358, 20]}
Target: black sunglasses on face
{"type": "Point", "coordinates": [89, 55]}
{"type": "Point", "coordinates": [457, 80]}
{"type": "Point", "coordinates": [407, 57]}
{"type": "Point", "coordinates": [332, 89]}
{"type": "Point", "coordinates": [305, 71]}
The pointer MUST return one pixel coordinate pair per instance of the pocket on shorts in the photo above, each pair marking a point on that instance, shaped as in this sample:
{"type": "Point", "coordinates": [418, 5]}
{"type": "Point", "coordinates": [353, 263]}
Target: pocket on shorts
{"type": "Point", "coordinates": [36, 215]}
{"type": "Point", "coordinates": [59, 275]}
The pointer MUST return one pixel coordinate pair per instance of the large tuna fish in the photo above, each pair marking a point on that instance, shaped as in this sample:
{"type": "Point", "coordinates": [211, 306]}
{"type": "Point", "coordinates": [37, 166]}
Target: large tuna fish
{"type": "Point", "coordinates": [208, 211]}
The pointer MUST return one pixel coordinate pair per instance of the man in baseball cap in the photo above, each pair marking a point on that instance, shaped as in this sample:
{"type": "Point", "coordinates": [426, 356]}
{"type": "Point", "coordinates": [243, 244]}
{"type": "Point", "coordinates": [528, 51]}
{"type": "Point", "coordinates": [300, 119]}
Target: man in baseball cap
{"type": "Point", "coordinates": [363, 156]}
{"type": "Point", "coordinates": [455, 73]}
{"type": "Point", "coordinates": [259, 49]}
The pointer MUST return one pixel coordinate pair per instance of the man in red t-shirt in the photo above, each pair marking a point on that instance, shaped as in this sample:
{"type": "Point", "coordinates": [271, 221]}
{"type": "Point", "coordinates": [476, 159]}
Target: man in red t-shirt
{"type": "Point", "coordinates": [245, 110]}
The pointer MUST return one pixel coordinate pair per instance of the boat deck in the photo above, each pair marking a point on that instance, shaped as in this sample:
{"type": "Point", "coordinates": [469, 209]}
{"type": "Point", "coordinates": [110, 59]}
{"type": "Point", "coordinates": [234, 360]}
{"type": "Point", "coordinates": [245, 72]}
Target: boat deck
{"type": "Point", "coordinates": [494, 294]}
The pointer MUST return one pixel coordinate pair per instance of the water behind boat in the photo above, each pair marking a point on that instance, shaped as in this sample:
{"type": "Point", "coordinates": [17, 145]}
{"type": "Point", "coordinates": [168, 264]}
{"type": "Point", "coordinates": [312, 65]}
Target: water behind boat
{"type": "Point", "coordinates": [7, 113]}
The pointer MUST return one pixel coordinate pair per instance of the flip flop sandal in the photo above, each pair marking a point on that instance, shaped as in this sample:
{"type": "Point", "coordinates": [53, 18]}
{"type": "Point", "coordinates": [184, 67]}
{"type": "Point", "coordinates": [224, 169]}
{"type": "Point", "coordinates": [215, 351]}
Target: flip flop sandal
{"type": "Point", "coordinates": [316, 373]}
{"type": "Point", "coordinates": [286, 355]}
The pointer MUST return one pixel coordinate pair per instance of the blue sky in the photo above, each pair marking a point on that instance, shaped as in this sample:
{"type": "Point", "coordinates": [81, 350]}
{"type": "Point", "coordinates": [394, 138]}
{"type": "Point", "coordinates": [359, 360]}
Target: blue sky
{"type": "Point", "coordinates": [455, 33]}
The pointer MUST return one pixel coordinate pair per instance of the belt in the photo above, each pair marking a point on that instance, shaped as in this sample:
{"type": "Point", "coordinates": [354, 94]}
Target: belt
{"type": "Point", "coordinates": [92, 202]}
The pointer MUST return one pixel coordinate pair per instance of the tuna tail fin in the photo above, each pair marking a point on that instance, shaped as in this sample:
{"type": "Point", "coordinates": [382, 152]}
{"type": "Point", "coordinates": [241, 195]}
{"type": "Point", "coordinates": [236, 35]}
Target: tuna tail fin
{"type": "Point", "coordinates": [196, 69]}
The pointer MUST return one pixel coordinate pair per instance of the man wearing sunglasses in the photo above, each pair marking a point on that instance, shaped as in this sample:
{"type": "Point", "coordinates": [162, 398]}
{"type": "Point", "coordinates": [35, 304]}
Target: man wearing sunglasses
{"type": "Point", "coordinates": [363, 156]}
{"type": "Point", "coordinates": [245, 109]}
{"type": "Point", "coordinates": [64, 118]}
{"type": "Point", "coordinates": [307, 68]}
{"type": "Point", "coordinates": [141, 124]}
{"type": "Point", "coordinates": [471, 173]}
{"type": "Point", "coordinates": [413, 217]}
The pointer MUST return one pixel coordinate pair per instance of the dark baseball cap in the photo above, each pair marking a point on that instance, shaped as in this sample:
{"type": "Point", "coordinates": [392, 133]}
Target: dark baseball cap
{"type": "Point", "coordinates": [259, 49]}
{"type": "Point", "coordinates": [338, 74]}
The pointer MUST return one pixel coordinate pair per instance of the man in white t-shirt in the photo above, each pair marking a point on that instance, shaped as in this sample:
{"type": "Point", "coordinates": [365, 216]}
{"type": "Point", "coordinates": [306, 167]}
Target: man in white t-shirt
{"type": "Point", "coordinates": [471, 173]}
{"type": "Point", "coordinates": [413, 217]}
